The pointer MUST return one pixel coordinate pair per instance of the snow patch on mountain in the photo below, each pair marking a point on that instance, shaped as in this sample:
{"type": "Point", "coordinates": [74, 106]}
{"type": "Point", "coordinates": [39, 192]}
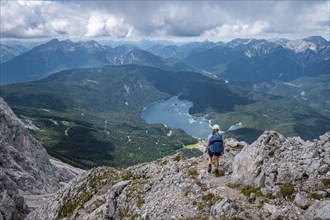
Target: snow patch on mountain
{"type": "Point", "coordinates": [249, 54]}
{"type": "Point", "coordinates": [300, 46]}
{"type": "Point", "coordinates": [291, 84]}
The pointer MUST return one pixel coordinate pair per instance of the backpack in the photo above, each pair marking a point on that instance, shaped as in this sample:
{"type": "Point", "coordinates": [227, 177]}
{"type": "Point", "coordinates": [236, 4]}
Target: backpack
{"type": "Point", "coordinates": [216, 143]}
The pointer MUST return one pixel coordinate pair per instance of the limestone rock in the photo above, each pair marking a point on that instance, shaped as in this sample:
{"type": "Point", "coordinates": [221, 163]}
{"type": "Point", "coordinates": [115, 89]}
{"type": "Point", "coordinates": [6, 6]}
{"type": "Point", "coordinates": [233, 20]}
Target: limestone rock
{"type": "Point", "coordinates": [270, 208]}
{"type": "Point", "coordinates": [301, 201]}
{"type": "Point", "coordinates": [274, 160]}
{"type": "Point", "coordinates": [252, 197]}
{"type": "Point", "coordinates": [324, 168]}
{"type": "Point", "coordinates": [234, 144]}
{"type": "Point", "coordinates": [25, 167]}
{"type": "Point", "coordinates": [12, 205]}
{"type": "Point", "coordinates": [224, 208]}
{"type": "Point", "coordinates": [319, 210]}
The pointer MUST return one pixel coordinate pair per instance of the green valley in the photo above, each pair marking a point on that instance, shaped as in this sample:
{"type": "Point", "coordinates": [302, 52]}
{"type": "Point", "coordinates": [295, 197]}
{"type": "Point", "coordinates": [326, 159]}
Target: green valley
{"type": "Point", "coordinates": [91, 117]}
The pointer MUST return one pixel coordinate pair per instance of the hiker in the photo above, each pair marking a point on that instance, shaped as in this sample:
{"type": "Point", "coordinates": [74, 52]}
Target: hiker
{"type": "Point", "coordinates": [214, 148]}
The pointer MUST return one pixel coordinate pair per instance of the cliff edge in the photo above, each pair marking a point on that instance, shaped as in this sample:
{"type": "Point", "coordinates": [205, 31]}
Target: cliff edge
{"type": "Point", "coordinates": [26, 170]}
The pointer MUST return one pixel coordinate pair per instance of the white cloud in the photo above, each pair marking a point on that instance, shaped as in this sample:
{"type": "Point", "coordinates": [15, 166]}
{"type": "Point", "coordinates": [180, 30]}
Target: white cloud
{"type": "Point", "coordinates": [57, 19]}
{"type": "Point", "coordinates": [163, 19]}
{"type": "Point", "coordinates": [238, 29]}
{"type": "Point", "coordinates": [102, 24]}
{"type": "Point", "coordinates": [28, 19]}
{"type": "Point", "coordinates": [319, 18]}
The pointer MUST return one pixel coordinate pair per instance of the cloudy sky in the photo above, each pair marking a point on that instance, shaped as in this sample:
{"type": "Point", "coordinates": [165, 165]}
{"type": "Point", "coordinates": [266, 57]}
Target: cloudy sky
{"type": "Point", "coordinates": [172, 20]}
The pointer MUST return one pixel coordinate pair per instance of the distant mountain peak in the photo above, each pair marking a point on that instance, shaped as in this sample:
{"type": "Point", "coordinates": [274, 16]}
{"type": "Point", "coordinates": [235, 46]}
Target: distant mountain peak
{"type": "Point", "coordinates": [301, 45]}
{"type": "Point", "coordinates": [317, 40]}
{"type": "Point", "coordinates": [243, 41]}
{"type": "Point", "coordinates": [53, 41]}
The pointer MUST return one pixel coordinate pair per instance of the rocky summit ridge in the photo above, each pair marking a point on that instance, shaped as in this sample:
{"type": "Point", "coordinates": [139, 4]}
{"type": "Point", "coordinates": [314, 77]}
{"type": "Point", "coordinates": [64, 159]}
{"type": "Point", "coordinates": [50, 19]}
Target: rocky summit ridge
{"type": "Point", "coordinates": [273, 178]}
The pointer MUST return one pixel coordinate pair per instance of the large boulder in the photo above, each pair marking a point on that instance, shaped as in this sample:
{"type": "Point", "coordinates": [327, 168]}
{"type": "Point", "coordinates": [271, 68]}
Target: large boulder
{"type": "Point", "coordinates": [319, 210]}
{"type": "Point", "coordinates": [273, 160]}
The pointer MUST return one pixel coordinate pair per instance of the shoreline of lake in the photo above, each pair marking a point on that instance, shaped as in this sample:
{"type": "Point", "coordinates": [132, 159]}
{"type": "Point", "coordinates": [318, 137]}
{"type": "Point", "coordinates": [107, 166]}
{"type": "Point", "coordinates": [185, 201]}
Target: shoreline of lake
{"type": "Point", "coordinates": [174, 113]}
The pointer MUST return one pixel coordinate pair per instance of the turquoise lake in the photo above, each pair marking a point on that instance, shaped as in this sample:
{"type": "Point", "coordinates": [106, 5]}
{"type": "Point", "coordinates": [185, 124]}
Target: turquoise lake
{"type": "Point", "coordinates": [174, 113]}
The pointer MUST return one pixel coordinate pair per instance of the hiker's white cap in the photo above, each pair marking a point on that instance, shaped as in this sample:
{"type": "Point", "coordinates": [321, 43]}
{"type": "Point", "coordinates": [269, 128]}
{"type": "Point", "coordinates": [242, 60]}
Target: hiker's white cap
{"type": "Point", "coordinates": [216, 127]}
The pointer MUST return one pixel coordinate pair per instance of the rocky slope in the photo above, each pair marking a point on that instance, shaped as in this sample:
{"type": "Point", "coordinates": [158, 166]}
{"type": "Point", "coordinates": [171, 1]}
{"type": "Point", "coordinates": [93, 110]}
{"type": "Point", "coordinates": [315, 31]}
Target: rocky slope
{"type": "Point", "coordinates": [273, 178]}
{"type": "Point", "coordinates": [26, 172]}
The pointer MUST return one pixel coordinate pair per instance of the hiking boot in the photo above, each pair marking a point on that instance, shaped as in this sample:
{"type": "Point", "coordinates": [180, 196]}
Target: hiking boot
{"type": "Point", "coordinates": [210, 168]}
{"type": "Point", "coordinates": [217, 172]}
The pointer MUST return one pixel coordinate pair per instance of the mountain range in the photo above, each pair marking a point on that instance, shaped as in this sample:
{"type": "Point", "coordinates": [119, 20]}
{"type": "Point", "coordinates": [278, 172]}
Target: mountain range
{"type": "Point", "coordinates": [58, 55]}
{"type": "Point", "coordinates": [248, 63]}
{"type": "Point", "coordinates": [241, 61]}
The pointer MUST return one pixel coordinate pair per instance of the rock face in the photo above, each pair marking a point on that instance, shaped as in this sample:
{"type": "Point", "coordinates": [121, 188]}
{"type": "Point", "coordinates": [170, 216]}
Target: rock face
{"type": "Point", "coordinates": [175, 187]}
{"type": "Point", "coordinates": [25, 167]}
{"type": "Point", "coordinates": [319, 210]}
{"type": "Point", "coordinates": [274, 161]}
